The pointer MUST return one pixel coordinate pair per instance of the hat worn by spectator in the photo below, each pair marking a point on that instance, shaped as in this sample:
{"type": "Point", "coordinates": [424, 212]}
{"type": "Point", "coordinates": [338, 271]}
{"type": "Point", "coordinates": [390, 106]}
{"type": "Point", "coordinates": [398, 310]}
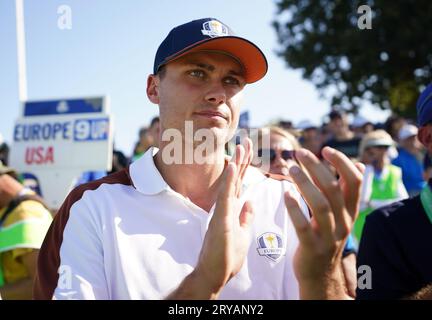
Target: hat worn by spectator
{"type": "Point", "coordinates": [424, 107]}
{"type": "Point", "coordinates": [210, 34]}
{"type": "Point", "coordinates": [377, 138]}
{"type": "Point", "coordinates": [407, 131]}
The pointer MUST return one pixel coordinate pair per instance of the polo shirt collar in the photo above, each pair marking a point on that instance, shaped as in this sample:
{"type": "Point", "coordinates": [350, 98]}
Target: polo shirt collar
{"type": "Point", "coordinates": [145, 176]}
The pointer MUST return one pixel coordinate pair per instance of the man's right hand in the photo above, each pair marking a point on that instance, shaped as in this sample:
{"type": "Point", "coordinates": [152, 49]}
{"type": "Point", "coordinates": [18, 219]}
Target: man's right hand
{"type": "Point", "coordinates": [228, 236]}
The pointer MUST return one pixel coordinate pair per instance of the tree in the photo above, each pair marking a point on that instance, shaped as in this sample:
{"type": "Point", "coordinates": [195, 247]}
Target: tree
{"type": "Point", "coordinates": [388, 64]}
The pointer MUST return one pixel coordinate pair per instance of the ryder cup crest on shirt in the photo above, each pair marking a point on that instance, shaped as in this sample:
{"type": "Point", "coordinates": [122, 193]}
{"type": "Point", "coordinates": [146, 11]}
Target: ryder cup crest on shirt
{"type": "Point", "coordinates": [214, 28]}
{"type": "Point", "coordinates": [270, 245]}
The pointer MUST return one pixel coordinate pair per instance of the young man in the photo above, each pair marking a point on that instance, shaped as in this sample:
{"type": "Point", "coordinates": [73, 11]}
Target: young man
{"type": "Point", "coordinates": [397, 239]}
{"type": "Point", "coordinates": [410, 159]}
{"type": "Point", "coordinates": [179, 228]}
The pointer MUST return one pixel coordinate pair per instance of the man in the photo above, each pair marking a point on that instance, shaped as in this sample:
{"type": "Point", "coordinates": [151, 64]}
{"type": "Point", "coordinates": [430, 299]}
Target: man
{"type": "Point", "coordinates": [410, 159]}
{"type": "Point", "coordinates": [343, 139]}
{"type": "Point", "coordinates": [396, 242]}
{"type": "Point", "coordinates": [179, 228]}
{"type": "Point", "coordinates": [23, 224]}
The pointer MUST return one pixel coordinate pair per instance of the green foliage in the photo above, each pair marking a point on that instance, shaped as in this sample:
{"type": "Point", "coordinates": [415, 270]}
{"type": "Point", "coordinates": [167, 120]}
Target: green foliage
{"type": "Point", "coordinates": [387, 65]}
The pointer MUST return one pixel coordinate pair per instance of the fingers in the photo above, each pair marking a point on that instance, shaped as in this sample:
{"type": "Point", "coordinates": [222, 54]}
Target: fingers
{"type": "Point", "coordinates": [361, 167]}
{"type": "Point", "coordinates": [328, 184]}
{"type": "Point", "coordinates": [246, 215]}
{"type": "Point", "coordinates": [247, 157]}
{"type": "Point", "coordinates": [242, 159]}
{"type": "Point", "coordinates": [227, 191]}
{"type": "Point", "coordinates": [301, 224]}
{"type": "Point", "coordinates": [351, 178]}
{"type": "Point", "coordinates": [316, 201]}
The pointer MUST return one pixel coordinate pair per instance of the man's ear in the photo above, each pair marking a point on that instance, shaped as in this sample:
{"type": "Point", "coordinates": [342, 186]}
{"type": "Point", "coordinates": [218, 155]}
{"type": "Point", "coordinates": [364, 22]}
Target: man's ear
{"type": "Point", "coordinates": [425, 136]}
{"type": "Point", "coordinates": [153, 88]}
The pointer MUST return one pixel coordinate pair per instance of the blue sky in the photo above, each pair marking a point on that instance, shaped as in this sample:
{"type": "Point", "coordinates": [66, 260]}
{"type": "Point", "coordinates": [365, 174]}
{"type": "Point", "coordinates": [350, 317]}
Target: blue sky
{"type": "Point", "coordinates": [110, 51]}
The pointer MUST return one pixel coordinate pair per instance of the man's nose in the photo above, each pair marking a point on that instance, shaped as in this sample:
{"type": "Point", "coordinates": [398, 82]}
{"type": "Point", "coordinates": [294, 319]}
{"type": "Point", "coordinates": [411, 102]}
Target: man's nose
{"type": "Point", "coordinates": [216, 94]}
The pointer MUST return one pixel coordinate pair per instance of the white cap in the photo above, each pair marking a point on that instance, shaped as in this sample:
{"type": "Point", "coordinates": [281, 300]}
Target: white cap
{"type": "Point", "coordinates": [306, 124]}
{"type": "Point", "coordinates": [407, 131]}
{"type": "Point", "coordinates": [359, 121]}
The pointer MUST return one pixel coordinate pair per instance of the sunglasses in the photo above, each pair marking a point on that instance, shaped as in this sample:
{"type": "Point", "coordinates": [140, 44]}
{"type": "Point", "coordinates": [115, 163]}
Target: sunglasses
{"type": "Point", "coordinates": [284, 154]}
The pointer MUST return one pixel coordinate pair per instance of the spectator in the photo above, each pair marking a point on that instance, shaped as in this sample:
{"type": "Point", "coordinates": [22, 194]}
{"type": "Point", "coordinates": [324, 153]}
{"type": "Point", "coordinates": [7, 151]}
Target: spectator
{"type": "Point", "coordinates": [145, 142]}
{"type": "Point", "coordinates": [410, 159]}
{"type": "Point", "coordinates": [382, 181]}
{"type": "Point", "coordinates": [24, 221]}
{"type": "Point", "coordinates": [154, 131]}
{"type": "Point", "coordinates": [343, 139]}
{"type": "Point", "coordinates": [4, 151]}
{"type": "Point", "coordinates": [310, 138]}
{"type": "Point", "coordinates": [119, 161]}
{"type": "Point", "coordinates": [361, 126]}
{"type": "Point", "coordinates": [393, 124]}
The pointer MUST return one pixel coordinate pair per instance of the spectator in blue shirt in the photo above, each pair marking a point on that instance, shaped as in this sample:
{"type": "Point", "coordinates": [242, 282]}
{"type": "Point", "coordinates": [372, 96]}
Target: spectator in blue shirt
{"type": "Point", "coordinates": [410, 159]}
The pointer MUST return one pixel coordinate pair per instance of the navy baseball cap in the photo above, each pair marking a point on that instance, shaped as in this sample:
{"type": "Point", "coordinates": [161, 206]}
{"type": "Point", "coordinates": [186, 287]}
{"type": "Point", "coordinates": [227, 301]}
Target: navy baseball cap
{"type": "Point", "coordinates": [210, 34]}
{"type": "Point", "coordinates": [424, 106]}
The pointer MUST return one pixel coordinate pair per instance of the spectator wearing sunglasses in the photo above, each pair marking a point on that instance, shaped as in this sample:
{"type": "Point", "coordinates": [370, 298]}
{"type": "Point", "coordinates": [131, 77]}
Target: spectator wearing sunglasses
{"type": "Point", "coordinates": [382, 181]}
{"type": "Point", "coordinates": [279, 155]}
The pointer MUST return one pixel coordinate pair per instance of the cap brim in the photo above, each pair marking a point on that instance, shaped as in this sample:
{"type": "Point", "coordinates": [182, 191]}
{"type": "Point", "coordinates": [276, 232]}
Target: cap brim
{"type": "Point", "coordinates": [250, 56]}
{"type": "Point", "coordinates": [379, 143]}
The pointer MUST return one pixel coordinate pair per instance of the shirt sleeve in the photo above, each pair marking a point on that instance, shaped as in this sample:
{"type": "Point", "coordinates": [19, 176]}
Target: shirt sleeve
{"type": "Point", "coordinates": [81, 271]}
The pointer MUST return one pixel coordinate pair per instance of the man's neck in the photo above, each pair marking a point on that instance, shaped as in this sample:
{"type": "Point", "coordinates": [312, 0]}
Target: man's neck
{"type": "Point", "coordinates": [197, 182]}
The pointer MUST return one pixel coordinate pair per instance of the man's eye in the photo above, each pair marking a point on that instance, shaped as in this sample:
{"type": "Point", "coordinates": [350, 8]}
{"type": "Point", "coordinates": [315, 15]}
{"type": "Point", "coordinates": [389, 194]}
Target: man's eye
{"type": "Point", "coordinates": [197, 73]}
{"type": "Point", "coordinates": [232, 81]}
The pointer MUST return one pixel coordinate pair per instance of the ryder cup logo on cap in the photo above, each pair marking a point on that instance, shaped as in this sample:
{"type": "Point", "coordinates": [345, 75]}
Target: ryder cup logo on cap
{"type": "Point", "coordinates": [207, 35]}
{"type": "Point", "coordinates": [214, 29]}
{"type": "Point", "coordinates": [271, 246]}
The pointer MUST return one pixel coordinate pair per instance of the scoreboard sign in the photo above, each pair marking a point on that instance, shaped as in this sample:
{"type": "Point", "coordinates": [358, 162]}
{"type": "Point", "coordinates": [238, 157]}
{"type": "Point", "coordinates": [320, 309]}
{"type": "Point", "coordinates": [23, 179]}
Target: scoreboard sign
{"type": "Point", "coordinates": [57, 140]}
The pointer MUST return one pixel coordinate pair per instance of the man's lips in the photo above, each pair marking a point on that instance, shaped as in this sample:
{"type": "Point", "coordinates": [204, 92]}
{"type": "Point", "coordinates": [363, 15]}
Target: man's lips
{"type": "Point", "coordinates": [211, 114]}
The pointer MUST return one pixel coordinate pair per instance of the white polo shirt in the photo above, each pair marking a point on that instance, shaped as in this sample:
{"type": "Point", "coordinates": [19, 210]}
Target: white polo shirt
{"type": "Point", "coordinates": [130, 236]}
